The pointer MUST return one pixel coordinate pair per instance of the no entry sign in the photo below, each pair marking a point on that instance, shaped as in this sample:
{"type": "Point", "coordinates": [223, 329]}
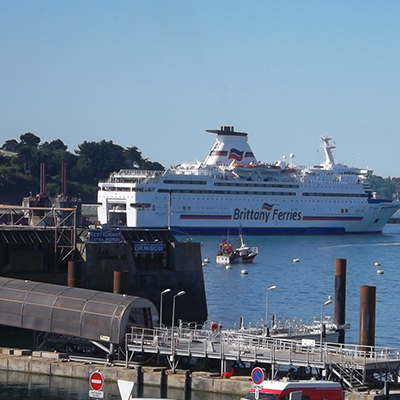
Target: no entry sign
{"type": "Point", "coordinates": [96, 380]}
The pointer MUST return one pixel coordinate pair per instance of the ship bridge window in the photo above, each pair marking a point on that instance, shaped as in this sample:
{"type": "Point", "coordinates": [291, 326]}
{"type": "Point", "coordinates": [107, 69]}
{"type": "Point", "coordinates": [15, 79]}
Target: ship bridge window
{"type": "Point", "coordinates": [344, 210]}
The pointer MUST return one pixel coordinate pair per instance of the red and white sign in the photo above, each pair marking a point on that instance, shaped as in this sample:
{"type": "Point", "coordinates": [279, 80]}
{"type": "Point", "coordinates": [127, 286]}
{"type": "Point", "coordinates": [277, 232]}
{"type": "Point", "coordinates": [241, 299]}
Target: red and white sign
{"type": "Point", "coordinates": [96, 380]}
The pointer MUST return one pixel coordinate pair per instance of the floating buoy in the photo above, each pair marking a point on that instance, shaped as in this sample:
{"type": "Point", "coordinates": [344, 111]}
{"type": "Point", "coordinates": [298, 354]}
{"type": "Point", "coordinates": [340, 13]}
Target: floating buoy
{"type": "Point", "coordinates": [377, 264]}
{"type": "Point", "coordinates": [244, 272]}
{"type": "Point", "coordinates": [380, 271]}
{"type": "Point", "coordinates": [296, 260]}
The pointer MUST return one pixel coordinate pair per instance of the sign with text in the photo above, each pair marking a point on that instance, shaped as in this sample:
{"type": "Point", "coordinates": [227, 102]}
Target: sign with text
{"type": "Point", "coordinates": [148, 247]}
{"type": "Point", "coordinates": [100, 236]}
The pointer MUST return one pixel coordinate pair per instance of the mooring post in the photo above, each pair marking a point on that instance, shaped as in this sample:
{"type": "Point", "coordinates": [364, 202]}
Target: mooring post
{"type": "Point", "coordinates": [366, 335]}
{"type": "Point", "coordinates": [139, 381]}
{"type": "Point", "coordinates": [74, 277]}
{"type": "Point", "coordinates": [120, 282]}
{"type": "Point", "coordinates": [188, 384]}
{"type": "Point", "coordinates": [163, 383]}
{"type": "Point", "coordinates": [340, 296]}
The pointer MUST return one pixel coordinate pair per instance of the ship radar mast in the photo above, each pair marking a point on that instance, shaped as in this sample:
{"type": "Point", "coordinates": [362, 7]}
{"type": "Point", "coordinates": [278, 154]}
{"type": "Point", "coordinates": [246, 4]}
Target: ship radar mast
{"type": "Point", "coordinates": [328, 147]}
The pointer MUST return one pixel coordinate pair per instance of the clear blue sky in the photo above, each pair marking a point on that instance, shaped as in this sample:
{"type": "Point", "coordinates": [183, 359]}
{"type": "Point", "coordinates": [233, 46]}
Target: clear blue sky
{"type": "Point", "coordinates": [157, 74]}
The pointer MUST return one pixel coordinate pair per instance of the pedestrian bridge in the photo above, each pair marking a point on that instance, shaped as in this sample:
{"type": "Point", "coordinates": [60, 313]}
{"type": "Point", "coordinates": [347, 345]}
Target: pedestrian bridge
{"type": "Point", "coordinates": [357, 367]}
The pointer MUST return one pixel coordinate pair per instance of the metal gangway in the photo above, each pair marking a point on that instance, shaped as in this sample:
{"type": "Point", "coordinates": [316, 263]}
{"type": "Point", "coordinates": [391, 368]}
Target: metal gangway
{"type": "Point", "coordinates": [355, 366]}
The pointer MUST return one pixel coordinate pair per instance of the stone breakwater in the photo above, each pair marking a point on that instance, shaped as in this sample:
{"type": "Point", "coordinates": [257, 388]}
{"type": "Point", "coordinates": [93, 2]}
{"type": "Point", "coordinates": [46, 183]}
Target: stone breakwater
{"type": "Point", "coordinates": [58, 365]}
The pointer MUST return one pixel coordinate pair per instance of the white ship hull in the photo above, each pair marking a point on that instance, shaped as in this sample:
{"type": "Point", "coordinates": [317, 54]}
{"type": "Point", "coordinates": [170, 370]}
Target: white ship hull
{"type": "Point", "coordinates": [216, 196]}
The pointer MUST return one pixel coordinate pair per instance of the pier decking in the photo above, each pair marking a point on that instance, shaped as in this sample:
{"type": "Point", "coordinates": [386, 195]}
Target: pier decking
{"type": "Point", "coordinates": [357, 367]}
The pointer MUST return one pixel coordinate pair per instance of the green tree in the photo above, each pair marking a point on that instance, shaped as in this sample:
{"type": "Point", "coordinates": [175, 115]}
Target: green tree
{"type": "Point", "coordinates": [10, 145]}
{"type": "Point", "coordinates": [29, 139]}
{"type": "Point", "coordinates": [133, 157]}
{"type": "Point", "coordinates": [54, 145]}
{"type": "Point", "coordinates": [27, 158]}
{"type": "Point", "coordinates": [97, 160]}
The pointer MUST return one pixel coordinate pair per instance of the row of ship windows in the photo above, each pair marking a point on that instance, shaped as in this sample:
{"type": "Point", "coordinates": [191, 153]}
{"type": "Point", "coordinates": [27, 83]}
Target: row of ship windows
{"type": "Point", "coordinates": [220, 184]}
{"type": "Point", "coordinates": [325, 201]}
{"type": "Point", "coordinates": [126, 189]}
{"type": "Point", "coordinates": [229, 184]}
{"type": "Point", "coordinates": [189, 208]}
{"type": "Point", "coordinates": [262, 193]}
{"type": "Point", "coordinates": [228, 192]}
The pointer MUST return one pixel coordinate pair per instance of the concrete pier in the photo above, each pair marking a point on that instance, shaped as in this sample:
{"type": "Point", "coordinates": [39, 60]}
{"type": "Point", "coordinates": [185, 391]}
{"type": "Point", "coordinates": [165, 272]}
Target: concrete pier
{"type": "Point", "coordinates": [42, 363]}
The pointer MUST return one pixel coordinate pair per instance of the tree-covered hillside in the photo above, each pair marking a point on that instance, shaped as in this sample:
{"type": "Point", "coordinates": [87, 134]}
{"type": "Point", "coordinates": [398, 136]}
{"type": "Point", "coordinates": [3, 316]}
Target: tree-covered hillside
{"type": "Point", "coordinates": [93, 161]}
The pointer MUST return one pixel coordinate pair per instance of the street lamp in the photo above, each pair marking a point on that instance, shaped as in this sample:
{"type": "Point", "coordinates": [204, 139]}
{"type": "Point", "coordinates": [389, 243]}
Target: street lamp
{"type": "Point", "coordinates": [161, 305]}
{"type": "Point", "coordinates": [327, 302]}
{"type": "Point", "coordinates": [267, 303]}
{"type": "Point", "coordinates": [181, 293]}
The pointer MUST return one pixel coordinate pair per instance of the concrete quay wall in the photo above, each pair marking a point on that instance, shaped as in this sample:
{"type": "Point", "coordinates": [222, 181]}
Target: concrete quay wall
{"type": "Point", "coordinates": [57, 365]}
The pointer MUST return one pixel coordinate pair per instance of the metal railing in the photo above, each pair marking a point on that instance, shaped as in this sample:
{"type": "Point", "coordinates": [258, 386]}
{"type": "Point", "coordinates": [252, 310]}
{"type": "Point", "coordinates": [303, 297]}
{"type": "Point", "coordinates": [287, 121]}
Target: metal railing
{"type": "Point", "coordinates": [240, 345]}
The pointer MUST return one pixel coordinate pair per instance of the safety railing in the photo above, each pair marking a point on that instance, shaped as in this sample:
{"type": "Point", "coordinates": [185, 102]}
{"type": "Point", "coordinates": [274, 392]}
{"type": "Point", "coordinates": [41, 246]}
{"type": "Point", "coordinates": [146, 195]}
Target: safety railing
{"type": "Point", "coordinates": [240, 345]}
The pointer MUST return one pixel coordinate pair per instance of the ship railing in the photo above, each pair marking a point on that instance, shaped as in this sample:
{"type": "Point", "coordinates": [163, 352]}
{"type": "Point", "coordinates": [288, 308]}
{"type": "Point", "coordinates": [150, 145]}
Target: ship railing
{"type": "Point", "coordinates": [133, 176]}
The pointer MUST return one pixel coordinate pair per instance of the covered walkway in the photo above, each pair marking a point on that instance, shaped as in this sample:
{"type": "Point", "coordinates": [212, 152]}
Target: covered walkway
{"type": "Point", "coordinates": [100, 317]}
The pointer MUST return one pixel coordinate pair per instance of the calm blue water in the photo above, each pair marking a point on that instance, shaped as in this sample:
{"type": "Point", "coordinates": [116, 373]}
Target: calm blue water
{"type": "Point", "coordinates": [303, 287]}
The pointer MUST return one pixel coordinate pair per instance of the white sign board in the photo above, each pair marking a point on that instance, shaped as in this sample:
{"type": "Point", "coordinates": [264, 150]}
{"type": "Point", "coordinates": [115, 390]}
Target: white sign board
{"type": "Point", "coordinates": [97, 394]}
{"type": "Point", "coordinates": [308, 342]}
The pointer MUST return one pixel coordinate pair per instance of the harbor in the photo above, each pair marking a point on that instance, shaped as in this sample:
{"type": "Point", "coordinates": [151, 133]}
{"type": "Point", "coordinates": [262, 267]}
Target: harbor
{"type": "Point", "coordinates": [245, 334]}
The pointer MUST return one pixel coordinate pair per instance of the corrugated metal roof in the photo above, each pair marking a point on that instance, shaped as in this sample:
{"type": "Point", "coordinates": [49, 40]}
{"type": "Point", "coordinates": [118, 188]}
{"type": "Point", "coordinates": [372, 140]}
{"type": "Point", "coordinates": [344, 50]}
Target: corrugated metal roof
{"type": "Point", "coordinates": [147, 235]}
{"type": "Point", "coordinates": [88, 314]}
{"type": "Point", "coordinates": [29, 235]}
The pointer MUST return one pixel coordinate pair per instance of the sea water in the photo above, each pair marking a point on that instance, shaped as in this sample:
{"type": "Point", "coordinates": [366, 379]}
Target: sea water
{"type": "Point", "coordinates": [18, 385]}
{"type": "Point", "coordinates": [302, 287]}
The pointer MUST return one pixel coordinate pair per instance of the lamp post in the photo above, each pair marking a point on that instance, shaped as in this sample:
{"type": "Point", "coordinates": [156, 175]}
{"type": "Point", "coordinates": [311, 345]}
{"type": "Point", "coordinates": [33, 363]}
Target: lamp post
{"type": "Point", "coordinates": [161, 305]}
{"type": "Point", "coordinates": [181, 293]}
{"type": "Point", "coordinates": [267, 304]}
{"type": "Point", "coordinates": [327, 302]}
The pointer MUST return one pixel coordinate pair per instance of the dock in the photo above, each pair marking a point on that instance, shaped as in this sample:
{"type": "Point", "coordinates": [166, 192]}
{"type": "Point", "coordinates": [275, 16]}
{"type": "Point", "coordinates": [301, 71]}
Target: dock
{"type": "Point", "coordinates": [358, 368]}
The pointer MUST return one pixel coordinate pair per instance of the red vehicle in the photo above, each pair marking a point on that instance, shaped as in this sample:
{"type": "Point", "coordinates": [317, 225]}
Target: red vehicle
{"type": "Point", "coordinates": [310, 390]}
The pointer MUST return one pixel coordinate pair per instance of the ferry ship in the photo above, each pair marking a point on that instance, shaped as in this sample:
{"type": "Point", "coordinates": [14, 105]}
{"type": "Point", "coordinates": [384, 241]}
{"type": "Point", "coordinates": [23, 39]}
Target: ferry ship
{"type": "Point", "coordinates": [230, 191]}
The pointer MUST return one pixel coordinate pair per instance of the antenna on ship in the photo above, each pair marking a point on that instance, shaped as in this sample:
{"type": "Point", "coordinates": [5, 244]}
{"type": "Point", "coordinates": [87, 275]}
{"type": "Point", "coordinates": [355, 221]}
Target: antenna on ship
{"type": "Point", "coordinates": [291, 155]}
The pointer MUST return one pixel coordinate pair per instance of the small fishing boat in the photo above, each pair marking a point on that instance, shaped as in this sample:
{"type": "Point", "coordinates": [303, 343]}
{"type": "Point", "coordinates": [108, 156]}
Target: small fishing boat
{"type": "Point", "coordinates": [227, 254]}
{"type": "Point", "coordinates": [244, 253]}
